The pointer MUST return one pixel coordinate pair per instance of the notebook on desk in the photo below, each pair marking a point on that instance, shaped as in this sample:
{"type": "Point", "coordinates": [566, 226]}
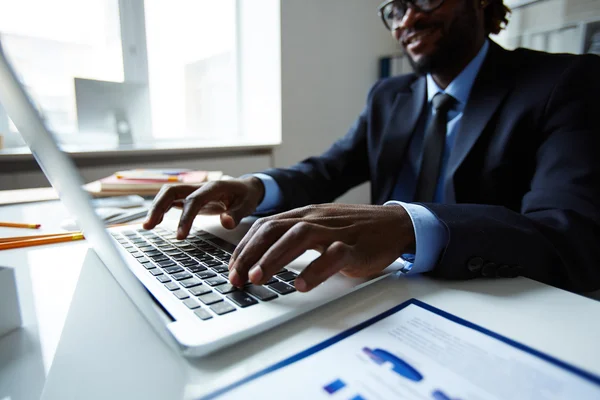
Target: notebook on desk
{"type": "Point", "coordinates": [180, 286]}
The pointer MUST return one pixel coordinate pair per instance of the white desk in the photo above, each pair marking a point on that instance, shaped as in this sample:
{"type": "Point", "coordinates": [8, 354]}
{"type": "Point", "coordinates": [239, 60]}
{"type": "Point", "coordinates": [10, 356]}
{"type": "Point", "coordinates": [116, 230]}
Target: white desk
{"type": "Point", "coordinates": [102, 348]}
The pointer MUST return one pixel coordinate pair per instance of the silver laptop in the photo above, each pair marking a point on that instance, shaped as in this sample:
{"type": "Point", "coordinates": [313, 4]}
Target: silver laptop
{"type": "Point", "coordinates": [181, 287]}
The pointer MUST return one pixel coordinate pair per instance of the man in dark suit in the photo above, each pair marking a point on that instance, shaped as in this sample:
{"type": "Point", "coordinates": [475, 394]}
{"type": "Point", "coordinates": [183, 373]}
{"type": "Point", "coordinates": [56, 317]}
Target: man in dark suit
{"type": "Point", "coordinates": [482, 163]}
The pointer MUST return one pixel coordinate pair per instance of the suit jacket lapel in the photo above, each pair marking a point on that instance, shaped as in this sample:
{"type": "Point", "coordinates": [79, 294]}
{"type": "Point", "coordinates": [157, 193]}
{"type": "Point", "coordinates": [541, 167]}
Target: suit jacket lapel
{"type": "Point", "coordinates": [490, 88]}
{"type": "Point", "coordinates": [397, 134]}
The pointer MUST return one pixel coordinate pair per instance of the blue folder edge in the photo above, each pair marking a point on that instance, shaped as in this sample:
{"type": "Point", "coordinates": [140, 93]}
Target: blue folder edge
{"type": "Point", "coordinates": [323, 345]}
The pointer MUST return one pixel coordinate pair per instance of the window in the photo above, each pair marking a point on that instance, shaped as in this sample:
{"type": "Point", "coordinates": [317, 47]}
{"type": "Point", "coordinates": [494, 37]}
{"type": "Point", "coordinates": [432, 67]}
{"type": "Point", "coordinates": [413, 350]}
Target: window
{"type": "Point", "coordinates": [89, 63]}
{"type": "Point", "coordinates": [51, 42]}
{"type": "Point", "coordinates": [192, 68]}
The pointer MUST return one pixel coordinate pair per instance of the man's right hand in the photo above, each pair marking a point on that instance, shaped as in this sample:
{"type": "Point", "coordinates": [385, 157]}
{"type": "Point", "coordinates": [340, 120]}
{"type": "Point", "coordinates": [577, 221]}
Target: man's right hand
{"type": "Point", "coordinates": [233, 199]}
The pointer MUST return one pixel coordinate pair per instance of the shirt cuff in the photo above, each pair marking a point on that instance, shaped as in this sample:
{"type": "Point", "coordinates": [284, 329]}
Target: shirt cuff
{"type": "Point", "coordinates": [273, 196]}
{"type": "Point", "coordinates": [430, 235]}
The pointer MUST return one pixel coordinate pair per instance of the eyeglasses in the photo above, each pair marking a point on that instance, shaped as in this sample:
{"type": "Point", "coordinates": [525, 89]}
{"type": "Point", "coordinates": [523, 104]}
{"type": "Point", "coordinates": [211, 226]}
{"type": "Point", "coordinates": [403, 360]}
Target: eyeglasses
{"type": "Point", "coordinates": [392, 12]}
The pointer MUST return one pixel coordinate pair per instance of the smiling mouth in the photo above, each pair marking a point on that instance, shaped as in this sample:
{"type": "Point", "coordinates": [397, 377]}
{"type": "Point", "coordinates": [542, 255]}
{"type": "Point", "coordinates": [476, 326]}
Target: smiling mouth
{"type": "Point", "coordinates": [416, 38]}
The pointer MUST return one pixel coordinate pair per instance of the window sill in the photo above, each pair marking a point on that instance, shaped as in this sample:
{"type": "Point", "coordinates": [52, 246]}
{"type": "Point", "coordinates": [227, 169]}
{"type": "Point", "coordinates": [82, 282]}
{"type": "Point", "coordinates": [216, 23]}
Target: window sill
{"type": "Point", "coordinates": [145, 150]}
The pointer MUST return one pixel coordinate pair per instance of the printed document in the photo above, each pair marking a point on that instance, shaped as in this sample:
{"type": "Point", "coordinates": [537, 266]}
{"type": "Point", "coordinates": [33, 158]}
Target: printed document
{"type": "Point", "coordinates": [416, 351]}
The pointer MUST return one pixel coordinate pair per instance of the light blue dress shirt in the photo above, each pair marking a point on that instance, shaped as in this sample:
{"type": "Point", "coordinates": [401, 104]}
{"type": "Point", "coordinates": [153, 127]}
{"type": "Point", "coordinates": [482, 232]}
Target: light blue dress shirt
{"type": "Point", "coordinates": [430, 234]}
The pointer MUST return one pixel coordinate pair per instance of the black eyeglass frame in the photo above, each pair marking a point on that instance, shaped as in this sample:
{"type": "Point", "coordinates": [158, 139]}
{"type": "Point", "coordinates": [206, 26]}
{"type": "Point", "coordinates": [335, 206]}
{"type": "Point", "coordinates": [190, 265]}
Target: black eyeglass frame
{"type": "Point", "coordinates": [407, 3]}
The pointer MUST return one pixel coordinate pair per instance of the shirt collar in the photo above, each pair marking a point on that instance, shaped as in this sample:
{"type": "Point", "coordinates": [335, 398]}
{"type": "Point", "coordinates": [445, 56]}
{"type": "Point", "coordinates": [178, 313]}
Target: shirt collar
{"type": "Point", "coordinates": [460, 87]}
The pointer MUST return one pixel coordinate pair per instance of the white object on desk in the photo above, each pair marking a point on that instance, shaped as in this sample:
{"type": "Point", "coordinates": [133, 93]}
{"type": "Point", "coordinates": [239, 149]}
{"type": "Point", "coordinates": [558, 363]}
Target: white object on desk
{"type": "Point", "coordinates": [10, 316]}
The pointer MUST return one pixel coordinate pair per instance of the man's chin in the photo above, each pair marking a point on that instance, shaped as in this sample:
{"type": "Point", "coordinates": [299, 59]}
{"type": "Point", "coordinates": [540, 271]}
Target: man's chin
{"type": "Point", "coordinates": [424, 64]}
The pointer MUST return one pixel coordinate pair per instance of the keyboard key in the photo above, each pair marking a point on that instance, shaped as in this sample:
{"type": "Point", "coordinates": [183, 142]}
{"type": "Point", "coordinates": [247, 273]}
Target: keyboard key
{"type": "Point", "coordinates": [153, 253]}
{"type": "Point", "coordinates": [189, 263]}
{"type": "Point", "coordinates": [181, 276]}
{"type": "Point", "coordinates": [220, 269]}
{"type": "Point", "coordinates": [142, 260]}
{"type": "Point", "coordinates": [203, 314]}
{"type": "Point", "coordinates": [225, 258]}
{"type": "Point", "coordinates": [215, 281]}
{"type": "Point", "coordinates": [196, 268]}
{"type": "Point", "coordinates": [287, 276]}
{"type": "Point", "coordinates": [149, 265]}
{"type": "Point", "coordinates": [226, 274]}
{"type": "Point", "coordinates": [172, 286]}
{"type": "Point", "coordinates": [206, 274]}
{"type": "Point", "coordinates": [260, 292]}
{"type": "Point", "coordinates": [155, 272]}
{"type": "Point", "coordinates": [272, 280]}
{"type": "Point", "coordinates": [146, 249]}
{"type": "Point", "coordinates": [200, 290]}
{"type": "Point", "coordinates": [167, 264]}
{"type": "Point", "coordinates": [192, 304]}
{"type": "Point", "coordinates": [163, 279]}
{"type": "Point", "coordinates": [281, 271]}
{"type": "Point", "coordinates": [225, 289]}
{"type": "Point", "coordinates": [282, 288]}
{"type": "Point", "coordinates": [181, 258]}
{"type": "Point", "coordinates": [242, 299]}
{"type": "Point", "coordinates": [173, 270]}
{"type": "Point", "coordinates": [188, 283]}
{"type": "Point", "coordinates": [172, 252]}
{"type": "Point", "coordinates": [131, 249]}
{"type": "Point", "coordinates": [212, 263]}
{"type": "Point", "coordinates": [181, 294]}
{"type": "Point", "coordinates": [222, 308]}
{"type": "Point", "coordinates": [225, 245]}
{"type": "Point", "coordinates": [160, 258]}
{"type": "Point", "coordinates": [210, 298]}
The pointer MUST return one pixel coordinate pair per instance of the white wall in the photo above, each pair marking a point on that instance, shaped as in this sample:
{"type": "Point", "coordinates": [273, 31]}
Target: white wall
{"type": "Point", "coordinates": [329, 61]}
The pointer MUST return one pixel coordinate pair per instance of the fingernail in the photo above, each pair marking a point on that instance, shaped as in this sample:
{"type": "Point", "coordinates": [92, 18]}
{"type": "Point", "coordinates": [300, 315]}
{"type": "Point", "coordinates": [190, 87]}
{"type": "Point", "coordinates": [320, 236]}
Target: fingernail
{"type": "Point", "coordinates": [300, 284]}
{"type": "Point", "coordinates": [255, 274]}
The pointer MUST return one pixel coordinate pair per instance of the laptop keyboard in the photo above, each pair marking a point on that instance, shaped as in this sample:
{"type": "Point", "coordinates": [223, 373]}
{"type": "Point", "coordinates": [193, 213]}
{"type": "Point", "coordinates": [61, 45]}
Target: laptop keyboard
{"type": "Point", "coordinates": [195, 271]}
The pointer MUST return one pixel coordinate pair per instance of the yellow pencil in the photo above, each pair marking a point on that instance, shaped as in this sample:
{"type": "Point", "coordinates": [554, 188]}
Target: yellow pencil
{"type": "Point", "coordinates": [48, 235]}
{"type": "Point", "coordinates": [41, 241]}
{"type": "Point", "coordinates": [18, 225]}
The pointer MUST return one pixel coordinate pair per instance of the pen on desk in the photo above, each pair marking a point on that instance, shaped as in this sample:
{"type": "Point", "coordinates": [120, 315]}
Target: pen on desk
{"type": "Point", "coordinates": [41, 241]}
{"type": "Point", "coordinates": [18, 225]}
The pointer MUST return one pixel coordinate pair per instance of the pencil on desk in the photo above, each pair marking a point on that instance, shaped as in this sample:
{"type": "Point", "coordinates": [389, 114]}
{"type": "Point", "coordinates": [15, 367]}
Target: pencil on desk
{"type": "Point", "coordinates": [18, 225]}
{"type": "Point", "coordinates": [52, 235]}
{"type": "Point", "coordinates": [41, 241]}
{"type": "Point", "coordinates": [47, 235]}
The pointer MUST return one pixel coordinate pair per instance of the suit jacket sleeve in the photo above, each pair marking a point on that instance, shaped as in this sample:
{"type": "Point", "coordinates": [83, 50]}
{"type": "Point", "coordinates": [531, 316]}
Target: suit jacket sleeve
{"type": "Point", "coordinates": [323, 178]}
{"type": "Point", "coordinates": [556, 237]}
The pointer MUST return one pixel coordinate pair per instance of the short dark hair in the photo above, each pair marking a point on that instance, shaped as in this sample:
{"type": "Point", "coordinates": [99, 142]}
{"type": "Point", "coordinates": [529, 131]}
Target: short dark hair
{"type": "Point", "coordinates": [496, 16]}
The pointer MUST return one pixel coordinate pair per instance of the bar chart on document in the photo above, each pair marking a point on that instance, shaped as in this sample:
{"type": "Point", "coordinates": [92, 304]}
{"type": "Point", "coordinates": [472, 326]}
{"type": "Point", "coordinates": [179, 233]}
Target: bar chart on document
{"type": "Point", "coordinates": [416, 351]}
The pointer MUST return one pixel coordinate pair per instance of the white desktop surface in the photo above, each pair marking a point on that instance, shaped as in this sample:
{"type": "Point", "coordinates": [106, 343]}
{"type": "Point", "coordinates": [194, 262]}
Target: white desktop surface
{"type": "Point", "coordinates": [83, 339]}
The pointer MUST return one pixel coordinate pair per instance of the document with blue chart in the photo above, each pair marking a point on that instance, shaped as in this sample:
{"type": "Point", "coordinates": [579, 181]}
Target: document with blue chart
{"type": "Point", "coordinates": [416, 351]}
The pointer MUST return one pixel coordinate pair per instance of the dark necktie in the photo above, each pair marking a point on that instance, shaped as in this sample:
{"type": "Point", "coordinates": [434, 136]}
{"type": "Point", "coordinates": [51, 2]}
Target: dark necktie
{"type": "Point", "coordinates": [433, 148]}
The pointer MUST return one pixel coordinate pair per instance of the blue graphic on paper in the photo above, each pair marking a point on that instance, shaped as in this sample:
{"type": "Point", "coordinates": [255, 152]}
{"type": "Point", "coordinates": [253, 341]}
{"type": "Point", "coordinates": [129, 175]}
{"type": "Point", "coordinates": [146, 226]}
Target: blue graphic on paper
{"type": "Point", "coordinates": [399, 366]}
{"type": "Point", "coordinates": [334, 386]}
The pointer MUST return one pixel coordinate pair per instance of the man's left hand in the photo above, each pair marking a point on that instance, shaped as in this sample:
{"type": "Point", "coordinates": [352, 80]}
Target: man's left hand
{"type": "Point", "coordinates": [356, 240]}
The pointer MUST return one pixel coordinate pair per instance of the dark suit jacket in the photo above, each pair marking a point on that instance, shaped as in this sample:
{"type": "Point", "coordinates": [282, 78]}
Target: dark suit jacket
{"type": "Point", "coordinates": [525, 167]}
